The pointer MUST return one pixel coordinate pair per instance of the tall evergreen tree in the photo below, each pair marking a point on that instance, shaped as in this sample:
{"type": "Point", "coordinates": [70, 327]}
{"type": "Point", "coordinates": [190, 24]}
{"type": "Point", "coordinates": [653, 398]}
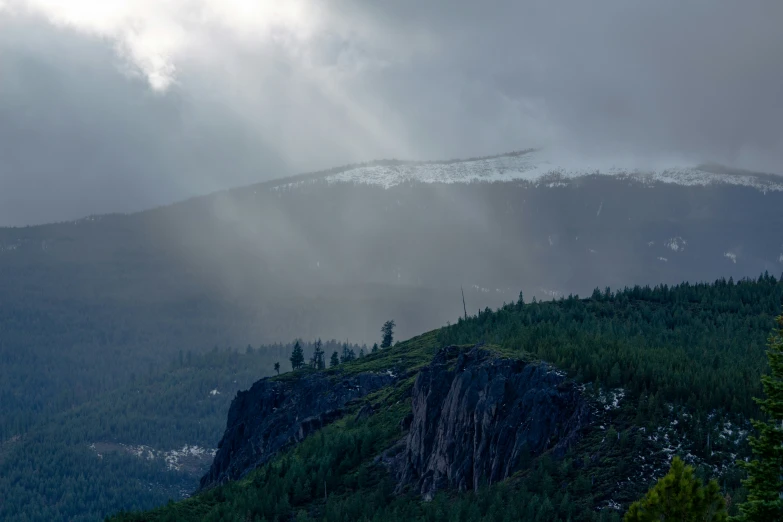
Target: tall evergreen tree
{"type": "Point", "coordinates": [297, 357]}
{"type": "Point", "coordinates": [317, 360]}
{"type": "Point", "coordinates": [765, 472]}
{"type": "Point", "coordinates": [374, 347]}
{"type": "Point", "coordinates": [335, 359]}
{"type": "Point", "coordinates": [348, 354]}
{"type": "Point", "coordinates": [277, 368]}
{"type": "Point", "coordinates": [680, 496]}
{"type": "Point", "coordinates": [388, 333]}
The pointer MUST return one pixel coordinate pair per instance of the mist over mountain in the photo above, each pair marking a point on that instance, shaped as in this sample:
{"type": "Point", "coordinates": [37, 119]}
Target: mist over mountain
{"type": "Point", "coordinates": [126, 106]}
{"type": "Point", "coordinates": [583, 307]}
{"type": "Point", "coordinates": [335, 254]}
{"type": "Point", "coordinates": [106, 303]}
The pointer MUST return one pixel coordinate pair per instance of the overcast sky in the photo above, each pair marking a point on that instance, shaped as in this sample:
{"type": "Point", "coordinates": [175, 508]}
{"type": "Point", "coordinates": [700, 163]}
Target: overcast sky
{"type": "Point", "coordinates": [119, 105]}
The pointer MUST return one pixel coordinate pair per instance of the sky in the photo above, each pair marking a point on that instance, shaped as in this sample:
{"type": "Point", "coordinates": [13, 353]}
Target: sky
{"type": "Point", "coordinates": [120, 105]}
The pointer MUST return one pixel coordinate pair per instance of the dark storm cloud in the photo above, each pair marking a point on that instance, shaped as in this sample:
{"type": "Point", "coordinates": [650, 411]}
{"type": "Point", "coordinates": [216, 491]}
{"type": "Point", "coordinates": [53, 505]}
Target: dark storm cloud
{"type": "Point", "coordinates": [234, 99]}
{"type": "Point", "coordinates": [695, 79]}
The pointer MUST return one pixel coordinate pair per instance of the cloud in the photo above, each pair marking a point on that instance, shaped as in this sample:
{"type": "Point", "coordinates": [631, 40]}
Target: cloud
{"type": "Point", "coordinates": [257, 89]}
{"type": "Point", "coordinates": [155, 35]}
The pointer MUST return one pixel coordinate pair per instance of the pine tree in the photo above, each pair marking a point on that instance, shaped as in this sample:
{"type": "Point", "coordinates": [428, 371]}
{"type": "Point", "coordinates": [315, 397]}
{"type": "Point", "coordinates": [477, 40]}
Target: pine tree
{"type": "Point", "coordinates": [520, 301]}
{"type": "Point", "coordinates": [374, 347]}
{"type": "Point", "coordinates": [765, 473]}
{"type": "Point", "coordinates": [277, 368]}
{"type": "Point", "coordinates": [297, 357]}
{"type": "Point", "coordinates": [388, 333]}
{"type": "Point", "coordinates": [317, 360]}
{"type": "Point", "coordinates": [335, 359]}
{"type": "Point", "coordinates": [680, 496]}
{"type": "Point", "coordinates": [348, 354]}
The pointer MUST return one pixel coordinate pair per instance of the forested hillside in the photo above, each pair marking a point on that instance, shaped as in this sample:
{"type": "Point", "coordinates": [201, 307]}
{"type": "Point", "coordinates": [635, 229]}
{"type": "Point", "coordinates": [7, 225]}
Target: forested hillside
{"type": "Point", "coordinates": [668, 370]}
{"type": "Point", "coordinates": [136, 446]}
{"type": "Point", "coordinates": [700, 346]}
{"type": "Point", "coordinates": [91, 304]}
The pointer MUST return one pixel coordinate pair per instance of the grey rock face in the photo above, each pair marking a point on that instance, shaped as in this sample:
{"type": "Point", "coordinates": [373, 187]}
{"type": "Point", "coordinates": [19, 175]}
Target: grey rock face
{"type": "Point", "coordinates": [480, 417]}
{"type": "Point", "coordinates": [273, 414]}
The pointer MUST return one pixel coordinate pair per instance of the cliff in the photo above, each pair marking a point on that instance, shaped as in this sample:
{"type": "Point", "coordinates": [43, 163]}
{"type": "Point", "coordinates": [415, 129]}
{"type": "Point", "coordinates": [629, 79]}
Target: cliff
{"type": "Point", "coordinates": [476, 417]}
{"type": "Point", "coordinates": [275, 413]}
{"type": "Point", "coordinates": [480, 417]}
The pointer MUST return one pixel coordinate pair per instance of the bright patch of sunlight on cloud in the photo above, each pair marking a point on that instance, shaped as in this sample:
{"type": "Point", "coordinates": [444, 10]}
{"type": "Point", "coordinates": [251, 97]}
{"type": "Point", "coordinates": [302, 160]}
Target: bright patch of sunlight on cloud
{"type": "Point", "coordinates": [154, 35]}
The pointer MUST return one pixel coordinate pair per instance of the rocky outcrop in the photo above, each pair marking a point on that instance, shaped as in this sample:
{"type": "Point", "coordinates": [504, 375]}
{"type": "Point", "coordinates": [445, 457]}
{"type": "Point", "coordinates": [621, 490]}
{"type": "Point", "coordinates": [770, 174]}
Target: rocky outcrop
{"type": "Point", "coordinates": [275, 413]}
{"type": "Point", "coordinates": [478, 417]}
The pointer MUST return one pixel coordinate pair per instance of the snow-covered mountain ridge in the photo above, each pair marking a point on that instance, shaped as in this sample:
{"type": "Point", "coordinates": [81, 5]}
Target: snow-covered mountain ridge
{"type": "Point", "coordinates": [538, 167]}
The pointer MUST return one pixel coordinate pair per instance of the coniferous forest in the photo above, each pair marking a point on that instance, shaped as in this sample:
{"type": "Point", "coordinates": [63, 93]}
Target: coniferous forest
{"type": "Point", "coordinates": [674, 371]}
{"type": "Point", "coordinates": [375, 261]}
{"type": "Point", "coordinates": [135, 447]}
{"type": "Point", "coordinates": [682, 363]}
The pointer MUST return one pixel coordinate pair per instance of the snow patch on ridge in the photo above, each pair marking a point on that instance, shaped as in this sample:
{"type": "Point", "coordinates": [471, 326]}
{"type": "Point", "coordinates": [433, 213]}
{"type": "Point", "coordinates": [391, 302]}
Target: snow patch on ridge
{"type": "Point", "coordinates": [676, 244]}
{"type": "Point", "coordinates": [554, 294]}
{"type": "Point", "coordinates": [537, 168]}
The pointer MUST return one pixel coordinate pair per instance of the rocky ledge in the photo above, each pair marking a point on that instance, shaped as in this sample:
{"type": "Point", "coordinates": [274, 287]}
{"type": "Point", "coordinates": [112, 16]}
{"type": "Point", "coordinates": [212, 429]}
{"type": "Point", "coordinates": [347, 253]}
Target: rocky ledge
{"type": "Point", "coordinates": [275, 413]}
{"type": "Point", "coordinates": [478, 417]}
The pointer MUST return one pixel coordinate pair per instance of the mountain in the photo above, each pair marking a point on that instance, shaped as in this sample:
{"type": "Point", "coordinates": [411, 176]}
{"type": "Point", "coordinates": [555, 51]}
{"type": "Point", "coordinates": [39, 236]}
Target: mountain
{"type": "Point", "coordinates": [93, 306]}
{"type": "Point", "coordinates": [535, 166]}
{"type": "Point", "coordinates": [563, 410]}
{"type": "Point", "coordinates": [337, 253]}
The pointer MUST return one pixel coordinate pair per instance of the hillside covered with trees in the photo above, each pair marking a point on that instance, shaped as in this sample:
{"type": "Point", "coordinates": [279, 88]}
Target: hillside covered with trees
{"type": "Point", "coordinates": [137, 446]}
{"type": "Point", "coordinates": [668, 371]}
{"type": "Point", "coordinates": [88, 305]}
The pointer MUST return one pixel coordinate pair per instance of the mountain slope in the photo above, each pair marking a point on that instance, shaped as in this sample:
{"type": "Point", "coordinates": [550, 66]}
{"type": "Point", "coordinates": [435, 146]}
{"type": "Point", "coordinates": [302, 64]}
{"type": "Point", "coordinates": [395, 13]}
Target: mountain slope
{"type": "Point", "coordinates": [538, 167]}
{"type": "Point", "coordinates": [663, 371]}
{"type": "Point", "coordinates": [320, 257]}
{"type": "Point", "coordinates": [90, 306]}
{"type": "Point", "coordinates": [134, 447]}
